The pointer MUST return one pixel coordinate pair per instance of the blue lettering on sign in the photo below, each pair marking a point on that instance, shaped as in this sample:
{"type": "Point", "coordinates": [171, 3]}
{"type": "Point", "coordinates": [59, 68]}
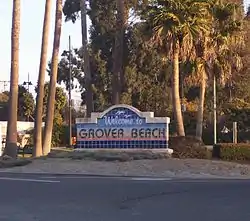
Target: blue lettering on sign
{"type": "Point", "coordinates": [121, 117]}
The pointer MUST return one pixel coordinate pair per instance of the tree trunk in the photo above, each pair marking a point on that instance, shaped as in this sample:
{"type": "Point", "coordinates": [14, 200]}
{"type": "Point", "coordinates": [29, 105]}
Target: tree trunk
{"type": "Point", "coordinates": [11, 139]}
{"type": "Point", "coordinates": [176, 94]}
{"type": "Point", "coordinates": [87, 71]}
{"type": "Point", "coordinates": [37, 151]}
{"type": "Point", "coordinates": [53, 79]}
{"type": "Point", "coordinates": [199, 120]}
{"type": "Point", "coordinates": [117, 78]}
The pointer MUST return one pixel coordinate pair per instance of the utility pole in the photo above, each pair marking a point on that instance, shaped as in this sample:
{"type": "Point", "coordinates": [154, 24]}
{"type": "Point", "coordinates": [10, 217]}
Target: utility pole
{"type": "Point", "coordinates": [28, 83]}
{"type": "Point", "coordinates": [215, 110]}
{"type": "Point", "coordinates": [70, 77]}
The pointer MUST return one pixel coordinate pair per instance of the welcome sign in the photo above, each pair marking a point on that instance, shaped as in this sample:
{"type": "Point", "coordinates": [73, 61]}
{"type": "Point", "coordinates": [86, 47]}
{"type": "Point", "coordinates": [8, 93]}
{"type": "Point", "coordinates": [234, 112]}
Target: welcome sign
{"type": "Point", "coordinates": [122, 126]}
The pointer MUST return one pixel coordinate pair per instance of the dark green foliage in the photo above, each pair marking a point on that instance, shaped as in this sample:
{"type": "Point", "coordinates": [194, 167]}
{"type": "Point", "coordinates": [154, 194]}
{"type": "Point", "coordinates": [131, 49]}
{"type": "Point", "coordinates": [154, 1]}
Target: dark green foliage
{"type": "Point", "coordinates": [60, 136]}
{"type": "Point", "coordinates": [71, 10]}
{"type": "Point", "coordinates": [63, 69]}
{"type": "Point", "coordinates": [26, 104]}
{"type": "Point", "coordinates": [4, 106]}
{"type": "Point", "coordinates": [60, 105]}
{"type": "Point", "coordinates": [102, 39]}
{"type": "Point", "coordinates": [147, 72]}
{"type": "Point", "coordinates": [146, 75]}
{"type": "Point", "coordinates": [232, 152]}
{"type": "Point", "coordinates": [60, 98]}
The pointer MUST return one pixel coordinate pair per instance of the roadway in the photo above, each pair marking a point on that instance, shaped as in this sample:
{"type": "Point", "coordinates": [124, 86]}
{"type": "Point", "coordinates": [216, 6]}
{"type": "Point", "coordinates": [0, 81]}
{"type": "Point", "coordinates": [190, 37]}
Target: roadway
{"type": "Point", "coordinates": [87, 198]}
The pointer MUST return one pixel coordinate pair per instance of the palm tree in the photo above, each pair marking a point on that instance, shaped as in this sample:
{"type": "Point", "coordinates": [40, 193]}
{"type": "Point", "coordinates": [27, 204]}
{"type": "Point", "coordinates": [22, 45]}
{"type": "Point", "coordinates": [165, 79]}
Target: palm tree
{"type": "Point", "coordinates": [11, 140]}
{"type": "Point", "coordinates": [37, 151]}
{"type": "Point", "coordinates": [228, 38]}
{"type": "Point", "coordinates": [89, 93]}
{"type": "Point", "coordinates": [176, 24]}
{"type": "Point", "coordinates": [217, 51]}
{"type": "Point", "coordinates": [202, 72]}
{"type": "Point", "coordinates": [53, 79]}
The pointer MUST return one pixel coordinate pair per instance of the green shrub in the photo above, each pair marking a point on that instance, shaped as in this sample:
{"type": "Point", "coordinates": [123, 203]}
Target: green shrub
{"type": "Point", "coordinates": [232, 152]}
{"type": "Point", "coordinates": [64, 136]}
{"type": "Point", "coordinates": [188, 147]}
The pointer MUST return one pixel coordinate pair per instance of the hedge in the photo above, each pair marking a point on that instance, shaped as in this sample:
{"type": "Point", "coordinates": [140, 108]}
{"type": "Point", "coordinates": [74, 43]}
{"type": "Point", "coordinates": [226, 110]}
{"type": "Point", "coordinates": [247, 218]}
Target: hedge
{"type": "Point", "coordinates": [232, 152]}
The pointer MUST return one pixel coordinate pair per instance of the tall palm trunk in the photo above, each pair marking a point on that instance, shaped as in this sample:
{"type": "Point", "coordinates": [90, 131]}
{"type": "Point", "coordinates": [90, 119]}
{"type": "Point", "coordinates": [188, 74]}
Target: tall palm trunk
{"type": "Point", "coordinates": [53, 79]}
{"type": "Point", "coordinates": [37, 151]}
{"type": "Point", "coordinates": [11, 141]}
{"type": "Point", "coordinates": [87, 72]}
{"type": "Point", "coordinates": [117, 78]}
{"type": "Point", "coordinates": [199, 119]}
{"type": "Point", "coordinates": [175, 91]}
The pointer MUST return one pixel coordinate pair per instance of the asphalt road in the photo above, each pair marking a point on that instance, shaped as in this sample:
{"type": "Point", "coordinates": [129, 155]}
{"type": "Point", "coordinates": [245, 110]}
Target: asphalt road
{"type": "Point", "coordinates": [59, 198]}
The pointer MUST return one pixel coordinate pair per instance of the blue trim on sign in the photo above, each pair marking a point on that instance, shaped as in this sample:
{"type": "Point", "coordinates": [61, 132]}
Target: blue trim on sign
{"type": "Point", "coordinates": [143, 144]}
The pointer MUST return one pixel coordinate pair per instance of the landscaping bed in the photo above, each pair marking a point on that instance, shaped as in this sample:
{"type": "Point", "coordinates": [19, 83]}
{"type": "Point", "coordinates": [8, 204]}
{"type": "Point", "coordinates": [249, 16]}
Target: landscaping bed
{"type": "Point", "coordinates": [108, 155]}
{"type": "Point", "coordinates": [6, 162]}
{"type": "Point", "coordinates": [189, 147]}
{"type": "Point", "coordinates": [183, 147]}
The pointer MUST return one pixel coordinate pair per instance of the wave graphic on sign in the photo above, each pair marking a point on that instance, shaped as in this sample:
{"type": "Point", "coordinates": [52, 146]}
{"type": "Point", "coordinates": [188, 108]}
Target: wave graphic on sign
{"type": "Point", "coordinates": [122, 114]}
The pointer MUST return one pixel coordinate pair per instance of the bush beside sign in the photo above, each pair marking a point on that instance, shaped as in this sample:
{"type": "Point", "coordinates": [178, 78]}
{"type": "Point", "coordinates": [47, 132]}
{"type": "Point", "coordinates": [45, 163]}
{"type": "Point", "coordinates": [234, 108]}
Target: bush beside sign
{"type": "Point", "coordinates": [123, 126]}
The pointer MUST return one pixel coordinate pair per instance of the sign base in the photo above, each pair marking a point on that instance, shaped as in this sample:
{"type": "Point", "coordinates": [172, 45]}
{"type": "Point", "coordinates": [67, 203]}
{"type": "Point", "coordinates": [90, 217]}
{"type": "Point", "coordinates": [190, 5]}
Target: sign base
{"type": "Point", "coordinates": [166, 150]}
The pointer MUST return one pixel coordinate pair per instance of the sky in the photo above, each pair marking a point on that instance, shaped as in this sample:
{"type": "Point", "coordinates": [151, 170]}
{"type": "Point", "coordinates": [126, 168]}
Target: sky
{"type": "Point", "coordinates": [32, 13]}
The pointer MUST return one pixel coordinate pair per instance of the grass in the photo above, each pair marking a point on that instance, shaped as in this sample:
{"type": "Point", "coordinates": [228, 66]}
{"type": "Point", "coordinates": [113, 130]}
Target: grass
{"type": "Point", "coordinates": [107, 155]}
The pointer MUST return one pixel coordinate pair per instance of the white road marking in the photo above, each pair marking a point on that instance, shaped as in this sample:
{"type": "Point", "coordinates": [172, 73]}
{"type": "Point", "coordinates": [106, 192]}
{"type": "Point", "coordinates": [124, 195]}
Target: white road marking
{"type": "Point", "coordinates": [82, 177]}
{"type": "Point", "coordinates": [151, 179]}
{"type": "Point", "coordinates": [29, 180]}
{"type": "Point", "coordinates": [76, 177]}
{"type": "Point", "coordinates": [103, 177]}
